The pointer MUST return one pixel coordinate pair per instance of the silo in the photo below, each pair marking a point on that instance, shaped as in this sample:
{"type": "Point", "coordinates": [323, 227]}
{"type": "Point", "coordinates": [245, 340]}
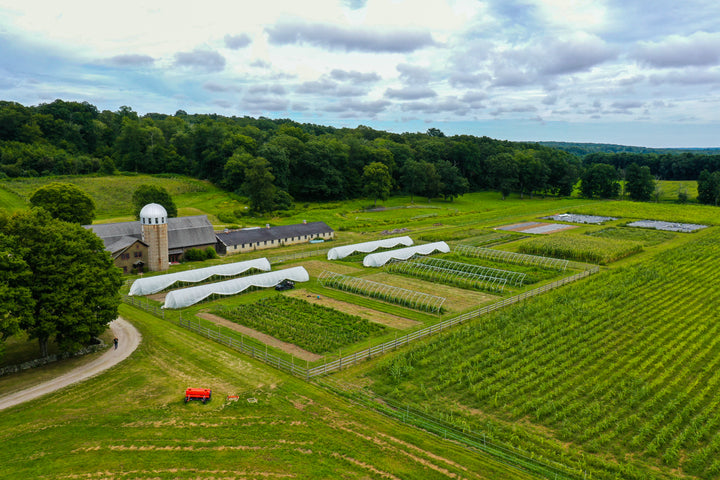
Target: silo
{"type": "Point", "coordinates": [153, 218]}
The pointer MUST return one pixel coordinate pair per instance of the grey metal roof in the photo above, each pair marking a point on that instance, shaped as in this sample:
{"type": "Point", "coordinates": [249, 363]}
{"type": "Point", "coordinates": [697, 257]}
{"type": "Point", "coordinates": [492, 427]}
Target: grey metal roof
{"type": "Point", "coordinates": [183, 232]}
{"type": "Point", "coordinates": [255, 235]}
{"type": "Point", "coordinates": [121, 244]}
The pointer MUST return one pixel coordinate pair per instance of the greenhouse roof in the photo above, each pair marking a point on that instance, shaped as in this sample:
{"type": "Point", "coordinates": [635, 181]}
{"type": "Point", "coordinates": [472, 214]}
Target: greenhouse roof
{"type": "Point", "coordinates": [381, 258]}
{"type": "Point", "coordinates": [185, 297]}
{"type": "Point", "coordinates": [150, 285]}
{"type": "Point", "coordinates": [341, 252]}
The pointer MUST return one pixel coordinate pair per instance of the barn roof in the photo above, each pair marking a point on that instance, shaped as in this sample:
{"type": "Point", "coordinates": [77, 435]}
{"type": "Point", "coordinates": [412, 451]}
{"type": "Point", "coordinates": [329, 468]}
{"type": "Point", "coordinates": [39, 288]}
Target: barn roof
{"type": "Point", "coordinates": [255, 235]}
{"type": "Point", "coordinates": [183, 232]}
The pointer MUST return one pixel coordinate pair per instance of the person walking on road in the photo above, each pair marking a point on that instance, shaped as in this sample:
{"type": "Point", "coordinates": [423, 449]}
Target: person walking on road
{"type": "Point", "coordinates": [115, 342]}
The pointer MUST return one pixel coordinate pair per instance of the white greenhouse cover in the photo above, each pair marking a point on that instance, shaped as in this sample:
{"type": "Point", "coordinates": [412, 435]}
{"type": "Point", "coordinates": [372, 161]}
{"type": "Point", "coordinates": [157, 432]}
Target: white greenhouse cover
{"type": "Point", "coordinates": [185, 297]}
{"type": "Point", "coordinates": [341, 252]}
{"type": "Point", "coordinates": [381, 258]}
{"type": "Point", "coordinates": [150, 285]}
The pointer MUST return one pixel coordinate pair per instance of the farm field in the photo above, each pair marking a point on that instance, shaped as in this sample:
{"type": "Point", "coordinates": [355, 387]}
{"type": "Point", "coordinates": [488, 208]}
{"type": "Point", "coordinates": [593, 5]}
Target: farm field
{"type": "Point", "coordinates": [612, 376]}
{"type": "Point", "coordinates": [131, 422]}
{"type": "Point", "coordinates": [615, 375]}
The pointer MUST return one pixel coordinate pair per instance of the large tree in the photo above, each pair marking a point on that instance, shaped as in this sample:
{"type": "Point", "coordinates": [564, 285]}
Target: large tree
{"type": "Point", "coordinates": [709, 188]}
{"type": "Point", "coordinates": [145, 194]}
{"type": "Point", "coordinates": [74, 285]}
{"type": "Point", "coordinates": [258, 185]}
{"type": "Point", "coordinates": [413, 178]}
{"type": "Point", "coordinates": [639, 182]}
{"type": "Point", "coordinates": [504, 172]}
{"type": "Point", "coordinates": [376, 181]}
{"type": "Point", "coordinates": [452, 183]}
{"type": "Point", "coordinates": [600, 180]}
{"type": "Point", "coordinates": [66, 202]}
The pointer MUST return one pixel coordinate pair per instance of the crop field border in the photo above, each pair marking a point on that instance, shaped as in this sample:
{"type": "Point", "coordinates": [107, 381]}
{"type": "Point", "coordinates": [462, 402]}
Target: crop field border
{"type": "Point", "coordinates": [387, 293]}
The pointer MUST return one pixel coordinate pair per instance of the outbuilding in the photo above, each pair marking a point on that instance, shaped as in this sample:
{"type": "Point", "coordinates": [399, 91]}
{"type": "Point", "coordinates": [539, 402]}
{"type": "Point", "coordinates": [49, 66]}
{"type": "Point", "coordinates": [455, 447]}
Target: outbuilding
{"type": "Point", "coordinates": [249, 239]}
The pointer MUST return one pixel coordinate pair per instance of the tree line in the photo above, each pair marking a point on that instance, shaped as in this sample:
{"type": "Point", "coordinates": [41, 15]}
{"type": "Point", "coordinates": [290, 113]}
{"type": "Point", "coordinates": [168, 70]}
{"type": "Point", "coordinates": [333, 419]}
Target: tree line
{"type": "Point", "coordinates": [276, 161]}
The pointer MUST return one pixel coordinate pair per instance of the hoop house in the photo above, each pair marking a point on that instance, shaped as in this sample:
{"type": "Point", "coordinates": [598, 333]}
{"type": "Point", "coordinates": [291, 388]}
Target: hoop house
{"type": "Point", "coordinates": [185, 297]}
{"type": "Point", "coordinates": [345, 250]}
{"type": "Point", "coordinates": [381, 258]}
{"type": "Point", "coordinates": [150, 285]}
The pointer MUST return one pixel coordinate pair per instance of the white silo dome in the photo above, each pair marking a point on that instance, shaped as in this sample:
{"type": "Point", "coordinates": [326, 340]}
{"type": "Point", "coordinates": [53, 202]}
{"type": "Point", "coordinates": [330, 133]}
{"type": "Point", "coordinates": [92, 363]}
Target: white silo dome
{"type": "Point", "coordinates": [153, 214]}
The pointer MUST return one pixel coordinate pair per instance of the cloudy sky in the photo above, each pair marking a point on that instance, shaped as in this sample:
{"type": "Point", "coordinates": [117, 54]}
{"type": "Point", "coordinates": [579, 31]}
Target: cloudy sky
{"type": "Point", "coordinates": [635, 72]}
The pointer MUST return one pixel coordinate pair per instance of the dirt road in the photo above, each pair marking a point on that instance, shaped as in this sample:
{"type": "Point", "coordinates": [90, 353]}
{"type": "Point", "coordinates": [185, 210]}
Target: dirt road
{"type": "Point", "coordinates": [129, 339]}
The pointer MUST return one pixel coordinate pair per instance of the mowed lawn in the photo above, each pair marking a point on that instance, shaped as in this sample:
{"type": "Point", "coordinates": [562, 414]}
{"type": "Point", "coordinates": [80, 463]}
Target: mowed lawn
{"type": "Point", "coordinates": [131, 422]}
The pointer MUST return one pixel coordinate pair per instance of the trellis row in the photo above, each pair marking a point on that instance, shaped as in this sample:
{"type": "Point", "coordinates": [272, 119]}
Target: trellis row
{"type": "Point", "coordinates": [514, 278]}
{"type": "Point", "coordinates": [388, 293]}
{"type": "Point", "coordinates": [446, 275]}
{"type": "Point", "coordinates": [511, 257]}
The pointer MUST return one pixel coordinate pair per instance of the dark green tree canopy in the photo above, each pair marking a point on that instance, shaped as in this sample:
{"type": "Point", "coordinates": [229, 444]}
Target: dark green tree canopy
{"type": "Point", "coordinates": [376, 181]}
{"type": "Point", "coordinates": [639, 182]}
{"type": "Point", "coordinates": [145, 194]}
{"type": "Point", "coordinates": [258, 185]}
{"type": "Point", "coordinates": [16, 302]}
{"type": "Point", "coordinates": [709, 188]}
{"type": "Point", "coordinates": [66, 202]}
{"type": "Point", "coordinates": [74, 286]}
{"type": "Point", "coordinates": [600, 180]}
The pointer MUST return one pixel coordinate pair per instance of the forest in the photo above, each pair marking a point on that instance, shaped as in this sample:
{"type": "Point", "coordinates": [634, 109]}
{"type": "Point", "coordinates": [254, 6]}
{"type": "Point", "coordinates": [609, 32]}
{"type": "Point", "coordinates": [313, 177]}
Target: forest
{"type": "Point", "coordinates": [282, 160]}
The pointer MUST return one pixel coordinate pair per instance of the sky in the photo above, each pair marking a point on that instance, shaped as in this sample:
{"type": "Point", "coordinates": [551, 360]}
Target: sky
{"type": "Point", "coordinates": [631, 72]}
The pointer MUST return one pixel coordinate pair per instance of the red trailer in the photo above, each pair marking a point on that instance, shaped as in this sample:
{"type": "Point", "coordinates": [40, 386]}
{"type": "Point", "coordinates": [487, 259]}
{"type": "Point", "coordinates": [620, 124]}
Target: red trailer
{"type": "Point", "coordinates": [202, 394]}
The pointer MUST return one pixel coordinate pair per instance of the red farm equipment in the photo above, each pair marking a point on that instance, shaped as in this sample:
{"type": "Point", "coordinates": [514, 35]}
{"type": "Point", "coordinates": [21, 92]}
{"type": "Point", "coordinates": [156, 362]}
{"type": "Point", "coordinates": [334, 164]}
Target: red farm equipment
{"type": "Point", "coordinates": [202, 394]}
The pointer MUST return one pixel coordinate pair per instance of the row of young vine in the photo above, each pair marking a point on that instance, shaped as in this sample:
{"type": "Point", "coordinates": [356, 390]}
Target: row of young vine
{"type": "Point", "coordinates": [315, 328]}
{"type": "Point", "coordinates": [625, 365]}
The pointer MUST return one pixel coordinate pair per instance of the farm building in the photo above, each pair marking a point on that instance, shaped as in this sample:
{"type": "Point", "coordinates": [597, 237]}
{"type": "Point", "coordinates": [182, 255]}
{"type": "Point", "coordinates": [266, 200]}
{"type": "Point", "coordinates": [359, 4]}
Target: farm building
{"type": "Point", "coordinates": [143, 244]}
{"type": "Point", "coordinates": [249, 239]}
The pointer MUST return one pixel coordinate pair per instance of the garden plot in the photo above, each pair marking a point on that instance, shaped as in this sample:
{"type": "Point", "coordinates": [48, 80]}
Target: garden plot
{"type": "Point", "coordinates": [667, 226]}
{"type": "Point", "coordinates": [536, 227]}
{"type": "Point", "coordinates": [575, 218]}
{"type": "Point", "coordinates": [387, 319]}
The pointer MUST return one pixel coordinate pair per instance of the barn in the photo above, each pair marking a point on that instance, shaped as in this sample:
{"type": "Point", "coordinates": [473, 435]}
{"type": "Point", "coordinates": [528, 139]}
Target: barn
{"type": "Point", "coordinates": [130, 250]}
{"type": "Point", "coordinates": [249, 239]}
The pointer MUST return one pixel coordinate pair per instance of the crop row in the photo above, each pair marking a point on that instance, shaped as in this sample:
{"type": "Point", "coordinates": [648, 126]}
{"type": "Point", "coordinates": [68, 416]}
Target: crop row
{"type": "Point", "coordinates": [387, 293]}
{"type": "Point", "coordinates": [625, 364]}
{"type": "Point", "coordinates": [315, 328]}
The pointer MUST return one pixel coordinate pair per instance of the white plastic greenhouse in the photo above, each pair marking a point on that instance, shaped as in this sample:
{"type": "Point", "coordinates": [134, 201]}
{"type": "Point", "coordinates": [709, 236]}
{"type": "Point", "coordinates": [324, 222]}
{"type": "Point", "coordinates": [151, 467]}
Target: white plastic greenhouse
{"type": "Point", "coordinates": [381, 258]}
{"type": "Point", "coordinates": [341, 252]}
{"type": "Point", "coordinates": [150, 285]}
{"type": "Point", "coordinates": [185, 297]}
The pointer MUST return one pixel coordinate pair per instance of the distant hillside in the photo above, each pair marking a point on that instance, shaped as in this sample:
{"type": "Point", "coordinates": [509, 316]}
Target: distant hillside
{"type": "Point", "coordinates": [582, 149]}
